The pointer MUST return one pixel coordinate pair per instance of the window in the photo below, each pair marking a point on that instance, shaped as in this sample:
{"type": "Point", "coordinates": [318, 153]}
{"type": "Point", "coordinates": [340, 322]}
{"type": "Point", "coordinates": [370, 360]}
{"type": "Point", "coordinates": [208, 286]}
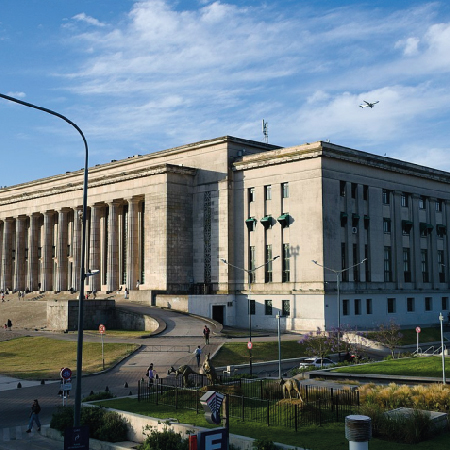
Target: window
{"type": "Point", "coordinates": [369, 306]}
{"type": "Point", "coordinates": [53, 251]}
{"type": "Point", "coordinates": [26, 253]}
{"type": "Point", "coordinates": [410, 305]}
{"type": "Point", "coordinates": [268, 307]}
{"type": "Point", "coordinates": [428, 303]}
{"type": "Point", "coordinates": [404, 199]}
{"type": "Point", "coordinates": [441, 266]}
{"type": "Point", "coordinates": [285, 190]}
{"type": "Point", "coordinates": [344, 217]}
{"type": "Point", "coordinates": [355, 259]}
{"type": "Point", "coordinates": [345, 307]}
{"type": "Point", "coordinates": [268, 266]}
{"type": "Point", "coordinates": [268, 192]}
{"type": "Point", "coordinates": [386, 225]}
{"type": "Point", "coordinates": [386, 197]}
{"type": "Point", "coordinates": [39, 252]}
{"type": "Point", "coordinates": [251, 264]}
{"type": "Point", "coordinates": [407, 265]}
{"type": "Point", "coordinates": [406, 227]}
{"type": "Point", "coordinates": [424, 265]}
{"type": "Point", "coordinates": [387, 264]}
{"type": "Point", "coordinates": [444, 303]}
{"type": "Point", "coordinates": [357, 307]}
{"type": "Point", "coordinates": [365, 192]}
{"type": "Point", "coordinates": [342, 188]}
{"type": "Point", "coordinates": [441, 230]}
{"type": "Point", "coordinates": [13, 254]}
{"type": "Point", "coordinates": [438, 205]}
{"type": "Point", "coordinates": [354, 189]}
{"type": "Point", "coordinates": [367, 263]}
{"type": "Point", "coordinates": [252, 306]}
{"type": "Point", "coordinates": [425, 229]}
{"type": "Point", "coordinates": [251, 195]}
{"type": "Point", "coordinates": [344, 262]}
{"type": "Point", "coordinates": [286, 263]}
{"type": "Point", "coordinates": [391, 305]}
{"type": "Point", "coordinates": [422, 202]}
{"type": "Point", "coordinates": [286, 308]}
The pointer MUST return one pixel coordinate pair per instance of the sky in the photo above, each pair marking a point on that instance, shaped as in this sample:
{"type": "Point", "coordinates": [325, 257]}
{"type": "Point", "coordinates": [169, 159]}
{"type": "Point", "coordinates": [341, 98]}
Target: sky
{"type": "Point", "coordinates": [143, 76]}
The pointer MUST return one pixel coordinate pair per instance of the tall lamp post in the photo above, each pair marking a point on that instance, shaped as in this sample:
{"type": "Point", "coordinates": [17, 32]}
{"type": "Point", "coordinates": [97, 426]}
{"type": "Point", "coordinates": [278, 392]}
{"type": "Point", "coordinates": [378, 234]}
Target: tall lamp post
{"type": "Point", "coordinates": [83, 275]}
{"type": "Point", "coordinates": [250, 280]}
{"type": "Point", "coordinates": [338, 274]}
{"type": "Point", "coordinates": [441, 319]}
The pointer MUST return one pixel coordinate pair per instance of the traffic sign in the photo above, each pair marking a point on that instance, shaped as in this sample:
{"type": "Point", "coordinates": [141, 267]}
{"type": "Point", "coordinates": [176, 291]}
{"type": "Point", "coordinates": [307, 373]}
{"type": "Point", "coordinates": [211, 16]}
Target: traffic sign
{"type": "Point", "coordinates": [249, 345]}
{"type": "Point", "coordinates": [418, 330]}
{"type": "Point", "coordinates": [102, 329]}
{"type": "Point", "coordinates": [66, 373]}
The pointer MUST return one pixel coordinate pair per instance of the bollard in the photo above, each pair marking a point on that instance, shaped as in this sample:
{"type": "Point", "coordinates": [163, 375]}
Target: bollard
{"type": "Point", "coordinates": [358, 431]}
{"type": "Point", "coordinates": [126, 385]}
{"type": "Point", "coordinates": [42, 381]}
{"type": "Point", "coordinates": [19, 385]}
{"type": "Point", "coordinates": [107, 389]}
{"type": "Point", "coordinates": [130, 393]}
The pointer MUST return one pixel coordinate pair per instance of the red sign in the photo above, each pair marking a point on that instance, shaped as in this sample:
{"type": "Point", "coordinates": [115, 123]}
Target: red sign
{"type": "Point", "coordinates": [249, 345]}
{"type": "Point", "coordinates": [102, 329]}
{"type": "Point", "coordinates": [66, 373]}
{"type": "Point", "coordinates": [418, 330]}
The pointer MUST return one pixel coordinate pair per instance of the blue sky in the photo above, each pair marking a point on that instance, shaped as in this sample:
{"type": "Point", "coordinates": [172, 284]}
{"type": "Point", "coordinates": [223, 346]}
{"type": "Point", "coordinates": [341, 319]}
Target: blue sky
{"type": "Point", "coordinates": [138, 77]}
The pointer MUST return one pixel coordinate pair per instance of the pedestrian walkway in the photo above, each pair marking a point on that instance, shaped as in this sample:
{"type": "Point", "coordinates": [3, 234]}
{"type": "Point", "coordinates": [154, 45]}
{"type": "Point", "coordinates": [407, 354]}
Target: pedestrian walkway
{"type": "Point", "coordinates": [16, 438]}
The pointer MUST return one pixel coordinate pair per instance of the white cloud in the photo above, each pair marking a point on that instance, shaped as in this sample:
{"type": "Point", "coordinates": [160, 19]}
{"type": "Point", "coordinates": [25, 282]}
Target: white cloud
{"type": "Point", "coordinates": [82, 17]}
{"type": "Point", "coordinates": [409, 46]}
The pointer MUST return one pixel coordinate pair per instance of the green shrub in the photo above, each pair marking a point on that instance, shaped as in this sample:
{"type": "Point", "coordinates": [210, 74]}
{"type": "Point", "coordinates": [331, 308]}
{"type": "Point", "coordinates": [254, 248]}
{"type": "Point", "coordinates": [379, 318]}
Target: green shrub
{"type": "Point", "coordinates": [163, 440]}
{"type": "Point", "coordinates": [103, 395]}
{"type": "Point", "coordinates": [264, 444]}
{"type": "Point", "coordinates": [62, 418]}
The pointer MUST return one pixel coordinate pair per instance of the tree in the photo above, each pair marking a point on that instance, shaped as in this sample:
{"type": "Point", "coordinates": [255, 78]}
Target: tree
{"type": "Point", "coordinates": [318, 343]}
{"type": "Point", "coordinates": [389, 335]}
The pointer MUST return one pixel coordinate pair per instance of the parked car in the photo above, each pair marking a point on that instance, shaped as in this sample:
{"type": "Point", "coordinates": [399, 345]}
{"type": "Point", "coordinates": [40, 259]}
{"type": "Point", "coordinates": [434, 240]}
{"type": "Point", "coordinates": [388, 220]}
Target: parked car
{"type": "Point", "coordinates": [316, 362]}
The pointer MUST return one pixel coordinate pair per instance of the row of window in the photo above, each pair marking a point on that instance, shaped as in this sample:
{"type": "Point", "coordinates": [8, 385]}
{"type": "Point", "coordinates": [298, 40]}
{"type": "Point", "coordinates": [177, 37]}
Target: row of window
{"type": "Point", "coordinates": [268, 269]}
{"type": "Point", "coordinates": [425, 228]}
{"type": "Point", "coordinates": [268, 192]}
{"type": "Point", "coordinates": [268, 307]}
{"type": "Point", "coordinates": [391, 305]}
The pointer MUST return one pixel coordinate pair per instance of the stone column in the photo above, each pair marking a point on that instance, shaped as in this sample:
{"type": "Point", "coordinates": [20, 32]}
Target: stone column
{"type": "Point", "coordinates": [77, 226]}
{"type": "Point", "coordinates": [133, 243]}
{"type": "Point", "coordinates": [61, 252]}
{"type": "Point", "coordinates": [113, 261]}
{"type": "Point", "coordinates": [46, 268]}
{"type": "Point", "coordinates": [19, 278]}
{"type": "Point", "coordinates": [94, 248]}
{"type": "Point", "coordinates": [32, 271]}
{"type": "Point", "coordinates": [6, 254]}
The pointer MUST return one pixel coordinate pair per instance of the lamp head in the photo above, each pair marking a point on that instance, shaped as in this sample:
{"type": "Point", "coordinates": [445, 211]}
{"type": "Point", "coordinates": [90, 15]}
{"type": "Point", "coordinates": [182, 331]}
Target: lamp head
{"type": "Point", "coordinates": [224, 260]}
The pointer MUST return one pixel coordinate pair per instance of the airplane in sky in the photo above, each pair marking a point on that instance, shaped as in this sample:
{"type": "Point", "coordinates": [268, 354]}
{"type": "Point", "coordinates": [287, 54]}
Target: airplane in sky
{"type": "Point", "coordinates": [368, 104]}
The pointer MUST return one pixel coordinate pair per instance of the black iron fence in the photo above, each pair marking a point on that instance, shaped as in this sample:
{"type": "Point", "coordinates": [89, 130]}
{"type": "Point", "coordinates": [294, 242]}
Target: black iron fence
{"type": "Point", "coordinates": [259, 400]}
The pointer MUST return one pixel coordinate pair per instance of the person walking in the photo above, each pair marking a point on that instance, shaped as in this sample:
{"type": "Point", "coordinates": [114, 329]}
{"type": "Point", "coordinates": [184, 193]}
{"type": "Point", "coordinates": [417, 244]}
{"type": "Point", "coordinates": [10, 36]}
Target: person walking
{"type": "Point", "coordinates": [126, 293]}
{"type": "Point", "coordinates": [34, 416]}
{"type": "Point", "coordinates": [197, 353]}
{"type": "Point", "coordinates": [206, 332]}
{"type": "Point", "coordinates": [151, 373]}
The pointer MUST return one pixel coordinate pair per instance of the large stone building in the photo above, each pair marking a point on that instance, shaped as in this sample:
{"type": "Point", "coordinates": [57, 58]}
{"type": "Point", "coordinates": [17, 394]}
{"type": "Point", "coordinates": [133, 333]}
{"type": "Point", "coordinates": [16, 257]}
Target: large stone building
{"type": "Point", "coordinates": [168, 218]}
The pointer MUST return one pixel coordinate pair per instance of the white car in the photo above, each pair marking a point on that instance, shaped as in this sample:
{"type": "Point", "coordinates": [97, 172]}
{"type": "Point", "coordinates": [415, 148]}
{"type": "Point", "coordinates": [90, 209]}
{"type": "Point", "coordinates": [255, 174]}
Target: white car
{"type": "Point", "coordinates": [316, 362]}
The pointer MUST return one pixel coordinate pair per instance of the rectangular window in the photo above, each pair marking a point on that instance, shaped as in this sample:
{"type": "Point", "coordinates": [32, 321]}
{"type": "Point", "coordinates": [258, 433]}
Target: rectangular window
{"type": "Point", "coordinates": [441, 266]}
{"type": "Point", "coordinates": [286, 307]}
{"type": "Point", "coordinates": [285, 190]}
{"type": "Point", "coordinates": [53, 251]}
{"type": "Point", "coordinates": [407, 265]}
{"type": "Point", "coordinates": [344, 262]}
{"type": "Point", "coordinates": [26, 253]}
{"type": "Point", "coordinates": [345, 307]}
{"type": "Point", "coordinates": [444, 303]}
{"type": "Point", "coordinates": [268, 266]}
{"type": "Point", "coordinates": [286, 264]}
{"type": "Point", "coordinates": [391, 305]}
{"type": "Point", "coordinates": [410, 304]}
{"type": "Point", "coordinates": [438, 205]}
{"type": "Point", "coordinates": [357, 307]}
{"type": "Point", "coordinates": [252, 306]}
{"type": "Point", "coordinates": [365, 192]}
{"type": "Point", "coordinates": [367, 263]}
{"type": "Point", "coordinates": [342, 188]}
{"type": "Point", "coordinates": [355, 259]}
{"type": "Point", "coordinates": [268, 307]}
{"type": "Point", "coordinates": [404, 199]}
{"type": "Point", "coordinates": [354, 189]}
{"type": "Point", "coordinates": [428, 303]}
{"type": "Point", "coordinates": [386, 197]}
{"type": "Point", "coordinates": [251, 195]}
{"type": "Point", "coordinates": [369, 306]}
{"type": "Point", "coordinates": [387, 264]}
{"type": "Point", "coordinates": [251, 264]}
{"type": "Point", "coordinates": [424, 265]}
{"type": "Point", "coordinates": [268, 192]}
{"type": "Point", "coordinates": [422, 202]}
{"type": "Point", "coordinates": [386, 225]}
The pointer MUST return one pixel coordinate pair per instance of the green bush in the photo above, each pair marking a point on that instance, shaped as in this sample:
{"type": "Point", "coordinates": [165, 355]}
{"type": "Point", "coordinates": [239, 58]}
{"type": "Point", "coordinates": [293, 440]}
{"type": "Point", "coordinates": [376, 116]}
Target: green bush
{"type": "Point", "coordinates": [103, 395]}
{"type": "Point", "coordinates": [163, 440]}
{"type": "Point", "coordinates": [103, 425]}
{"type": "Point", "coordinates": [264, 444]}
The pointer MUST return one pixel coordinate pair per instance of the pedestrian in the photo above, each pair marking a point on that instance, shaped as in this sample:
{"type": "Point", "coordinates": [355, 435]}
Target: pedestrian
{"type": "Point", "coordinates": [19, 294]}
{"type": "Point", "coordinates": [137, 284]}
{"type": "Point", "coordinates": [3, 296]}
{"type": "Point", "coordinates": [126, 293]}
{"type": "Point", "coordinates": [151, 373]}
{"type": "Point", "coordinates": [23, 295]}
{"type": "Point", "coordinates": [197, 353]}
{"type": "Point", "coordinates": [34, 416]}
{"type": "Point", "coordinates": [206, 332]}
{"type": "Point", "coordinates": [9, 323]}
{"type": "Point", "coordinates": [94, 294]}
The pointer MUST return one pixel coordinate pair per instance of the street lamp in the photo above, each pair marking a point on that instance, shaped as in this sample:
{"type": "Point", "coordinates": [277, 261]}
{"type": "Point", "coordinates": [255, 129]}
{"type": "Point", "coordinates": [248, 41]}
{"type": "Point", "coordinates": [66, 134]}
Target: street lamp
{"type": "Point", "coordinates": [83, 275]}
{"type": "Point", "coordinates": [250, 273]}
{"type": "Point", "coordinates": [338, 276]}
{"type": "Point", "coordinates": [441, 319]}
{"type": "Point", "coordinates": [279, 317]}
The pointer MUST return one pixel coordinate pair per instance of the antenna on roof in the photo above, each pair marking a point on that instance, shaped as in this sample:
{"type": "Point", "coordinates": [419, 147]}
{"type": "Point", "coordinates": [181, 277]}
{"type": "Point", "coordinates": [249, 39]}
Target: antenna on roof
{"type": "Point", "coordinates": [265, 130]}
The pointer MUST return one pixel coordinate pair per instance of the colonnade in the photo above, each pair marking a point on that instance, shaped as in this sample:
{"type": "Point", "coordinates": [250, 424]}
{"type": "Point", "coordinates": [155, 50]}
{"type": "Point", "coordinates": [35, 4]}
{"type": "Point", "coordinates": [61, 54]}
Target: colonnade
{"type": "Point", "coordinates": [42, 251]}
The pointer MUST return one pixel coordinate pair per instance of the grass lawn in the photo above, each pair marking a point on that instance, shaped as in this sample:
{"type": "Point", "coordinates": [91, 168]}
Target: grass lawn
{"type": "Point", "coordinates": [238, 353]}
{"type": "Point", "coordinates": [35, 357]}
{"type": "Point", "coordinates": [118, 333]}
{"type": "Point", "coordinates": [423, 367]}
{"type": "Point", "coordinates": [327, 437]}
{"type": "Point", "coordinates": [432, 334]}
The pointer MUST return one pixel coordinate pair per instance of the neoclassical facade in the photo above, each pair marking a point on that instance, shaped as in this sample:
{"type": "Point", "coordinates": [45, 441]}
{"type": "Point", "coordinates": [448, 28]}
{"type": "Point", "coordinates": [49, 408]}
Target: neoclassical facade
{"type": "Point", "coordinates": [168, 218]}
